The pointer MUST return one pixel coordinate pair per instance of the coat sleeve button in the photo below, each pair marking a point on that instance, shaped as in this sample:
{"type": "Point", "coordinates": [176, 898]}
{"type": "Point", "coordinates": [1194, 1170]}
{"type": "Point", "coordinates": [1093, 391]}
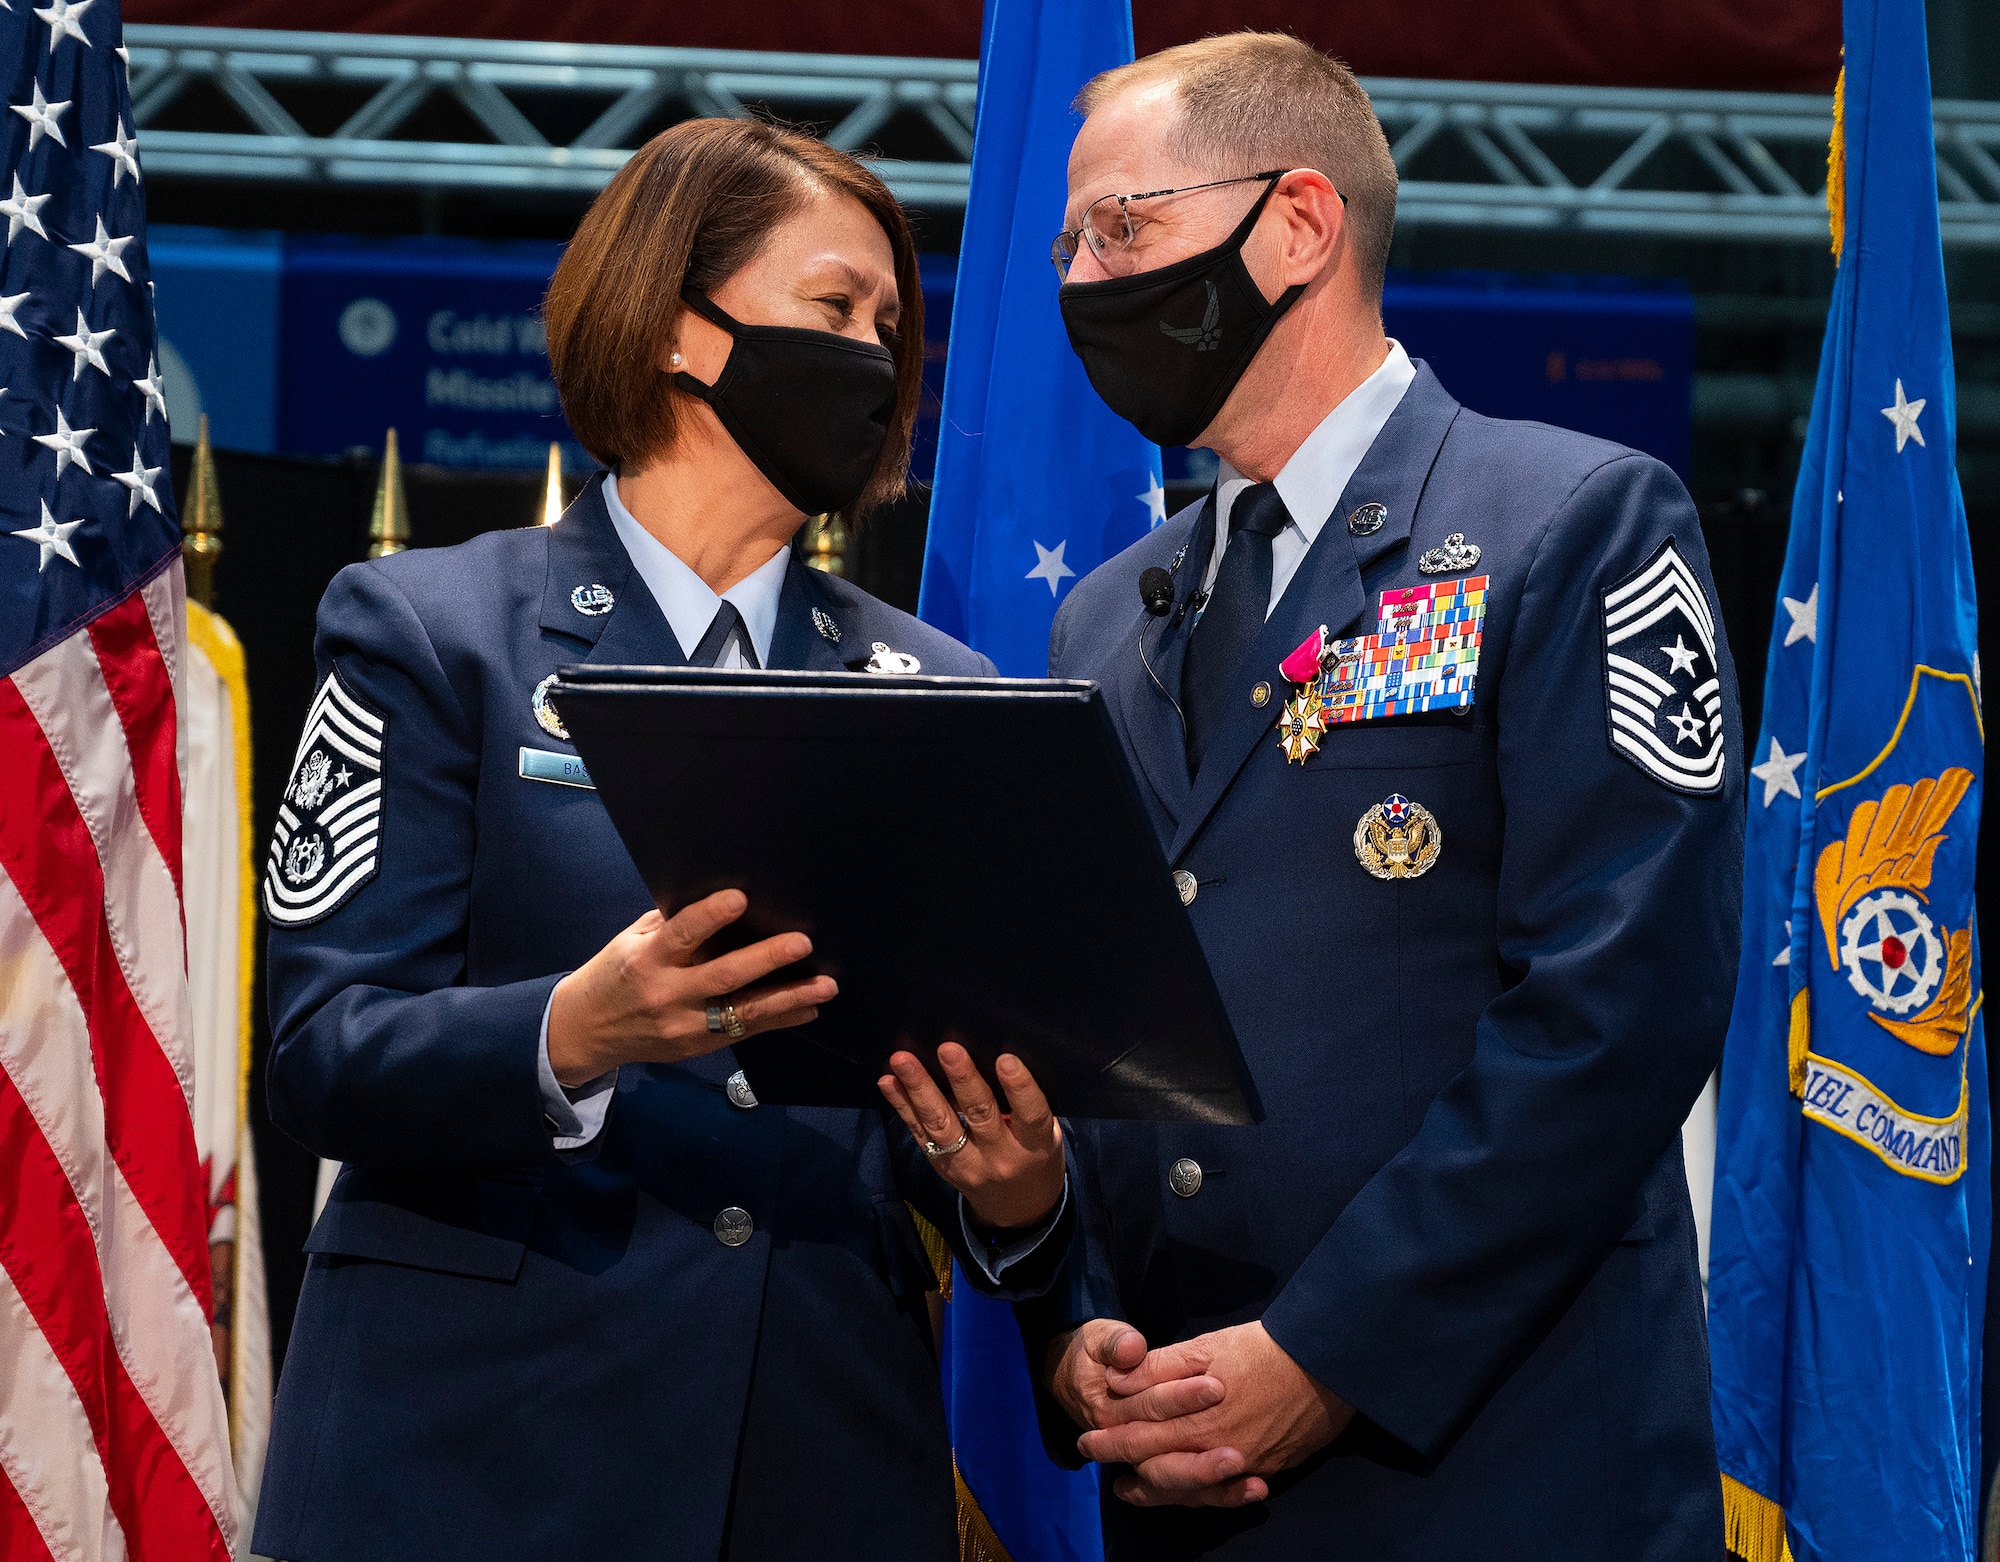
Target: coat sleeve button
{"type": "Point", "coordinates": [1184, 1177]}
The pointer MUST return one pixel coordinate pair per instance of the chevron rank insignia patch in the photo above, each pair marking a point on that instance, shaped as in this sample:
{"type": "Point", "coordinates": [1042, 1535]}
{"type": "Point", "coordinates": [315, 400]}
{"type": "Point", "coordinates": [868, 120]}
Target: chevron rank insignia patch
{"type": "Point", "coordinates": [1662, 685]}
{"type": "Point", "coordinates": [330, 821]}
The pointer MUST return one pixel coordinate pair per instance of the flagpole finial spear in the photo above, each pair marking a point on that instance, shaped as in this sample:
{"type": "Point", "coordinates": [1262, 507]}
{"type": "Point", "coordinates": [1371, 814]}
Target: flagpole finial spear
{"type": "Point", "coordinates": [389, 526]}
{"type": "Point", "coordinates": [201, 522]}
{"type": "Point", "coordinates": [552, 499]}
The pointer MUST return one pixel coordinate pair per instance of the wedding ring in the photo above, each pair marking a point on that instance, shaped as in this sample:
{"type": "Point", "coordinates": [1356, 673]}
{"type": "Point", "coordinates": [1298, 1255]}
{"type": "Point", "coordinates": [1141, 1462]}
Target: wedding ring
{"type": "Point", "coordinates": [715, 1019]}
{"type": "Point", "coordinates": [732, 1027]}
{"type": "Point", "coordinates": [938, 1151]}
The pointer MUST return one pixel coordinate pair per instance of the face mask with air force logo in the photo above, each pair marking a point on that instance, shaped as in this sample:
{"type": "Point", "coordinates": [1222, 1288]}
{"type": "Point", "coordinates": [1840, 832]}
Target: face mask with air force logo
{"type": "Point", "coordinates": [1165, 348]}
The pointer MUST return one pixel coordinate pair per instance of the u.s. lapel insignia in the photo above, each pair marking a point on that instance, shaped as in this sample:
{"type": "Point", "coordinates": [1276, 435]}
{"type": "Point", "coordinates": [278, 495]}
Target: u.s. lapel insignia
{"type": "Point", "coordinates": [1398, 839]}
{"type": "Point", "coordinates": [823, 622]}
{"type": "Point", "coordinates": [1453, 555]}
{"type": "Point", "coordinates": [545, 713]}
{"type": "Point", "coordinates": [592, 601]}
{"type": "Point", "coordinates": [885, 660]}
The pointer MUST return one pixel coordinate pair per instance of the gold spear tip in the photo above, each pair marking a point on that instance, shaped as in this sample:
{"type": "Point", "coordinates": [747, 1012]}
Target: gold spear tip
{"type": "Point", "coordinates": [201, 521]}
{"type": "Point", "coordinates": [389, 526]}
{"type": "Point", "coordinates": [552, 499]}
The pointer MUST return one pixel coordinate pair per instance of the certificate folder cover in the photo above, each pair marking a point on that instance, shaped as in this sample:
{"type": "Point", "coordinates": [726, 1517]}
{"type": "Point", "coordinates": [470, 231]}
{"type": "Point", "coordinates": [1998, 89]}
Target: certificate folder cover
{"type": "Point", "coordinates": [970, 857]}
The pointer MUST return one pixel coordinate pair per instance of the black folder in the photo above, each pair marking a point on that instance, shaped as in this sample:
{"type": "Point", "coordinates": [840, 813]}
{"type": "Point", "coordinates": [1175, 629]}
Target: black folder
{"type": "Point", "coordinates": [970, 858]}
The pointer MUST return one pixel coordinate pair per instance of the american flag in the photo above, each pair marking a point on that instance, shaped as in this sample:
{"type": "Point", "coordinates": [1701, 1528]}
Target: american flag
{"type": "Point", "coordinates": [113, 1433]}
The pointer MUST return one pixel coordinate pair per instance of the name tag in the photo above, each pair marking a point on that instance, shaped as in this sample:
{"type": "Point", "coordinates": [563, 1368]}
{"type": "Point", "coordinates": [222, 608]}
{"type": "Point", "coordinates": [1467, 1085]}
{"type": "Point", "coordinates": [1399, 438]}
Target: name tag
{"type": "Point", "coordinates": [540, 764]}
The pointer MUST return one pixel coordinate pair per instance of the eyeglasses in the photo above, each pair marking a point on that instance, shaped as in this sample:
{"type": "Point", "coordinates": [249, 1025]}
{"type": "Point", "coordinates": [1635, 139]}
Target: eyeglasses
{"type": "Point", "coordinates": [1107, 221]}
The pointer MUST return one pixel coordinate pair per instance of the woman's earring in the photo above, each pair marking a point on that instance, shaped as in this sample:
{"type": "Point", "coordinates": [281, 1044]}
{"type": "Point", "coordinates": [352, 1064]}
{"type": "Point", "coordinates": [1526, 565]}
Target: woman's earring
{"type": "Point", "coordinates": [676, 360]}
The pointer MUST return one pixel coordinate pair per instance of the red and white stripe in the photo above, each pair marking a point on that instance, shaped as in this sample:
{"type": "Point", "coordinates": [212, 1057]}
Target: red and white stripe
{"type": "Point", "coordinates": [114, 1440]}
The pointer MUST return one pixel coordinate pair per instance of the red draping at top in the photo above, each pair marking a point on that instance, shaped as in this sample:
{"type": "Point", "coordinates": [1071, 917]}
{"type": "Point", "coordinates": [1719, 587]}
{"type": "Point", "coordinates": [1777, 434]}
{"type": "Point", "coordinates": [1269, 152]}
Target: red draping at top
{"type": "Point", "coordinates": [1773, 46]}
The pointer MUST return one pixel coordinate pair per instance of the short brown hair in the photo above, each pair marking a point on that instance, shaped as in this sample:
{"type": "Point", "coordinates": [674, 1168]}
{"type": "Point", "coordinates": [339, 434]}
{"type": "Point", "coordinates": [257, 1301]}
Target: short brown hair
{"type": "Point", "coordinates": [1267, 100]}
{"type": "Point", "coordinates": [689, 209]}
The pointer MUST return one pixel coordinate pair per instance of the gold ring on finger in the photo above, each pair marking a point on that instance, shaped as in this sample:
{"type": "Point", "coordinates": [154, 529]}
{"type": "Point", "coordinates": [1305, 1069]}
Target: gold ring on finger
{"type": "Point", "coordinates": [732, 1027]}
{"type": "Point", "coordinates": [938, 1151]}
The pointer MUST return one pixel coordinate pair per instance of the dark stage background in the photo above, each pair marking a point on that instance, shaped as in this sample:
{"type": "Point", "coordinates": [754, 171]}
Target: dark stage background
{"type": "Point", "coordinates": [291, 525]}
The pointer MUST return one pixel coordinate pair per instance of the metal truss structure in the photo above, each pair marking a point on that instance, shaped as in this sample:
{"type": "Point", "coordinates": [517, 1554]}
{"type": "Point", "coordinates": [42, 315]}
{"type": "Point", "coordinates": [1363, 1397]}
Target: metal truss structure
{"type": "Point", "coordinates": [224, 103]}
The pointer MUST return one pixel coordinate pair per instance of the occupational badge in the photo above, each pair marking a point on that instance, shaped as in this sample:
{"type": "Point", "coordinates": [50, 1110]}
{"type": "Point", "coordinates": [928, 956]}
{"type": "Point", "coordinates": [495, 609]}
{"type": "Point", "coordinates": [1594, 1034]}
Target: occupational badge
{"type": "Point", "coordinates": [330, 818]}
{"type": "Point", "coordinates": [1452, 556]}
{"type": "Point", "coordinates": [823, 622]}
{"type": "Point", "coordinates": [884, 660]}
{"type": "Point", "coordinates": [545, 713]}
{"type": "Point", "coordinates": [1658, 630]}
{"type": "Point", "coordinates": [592, 601]}
{"type": "Point", "coordinates": [1398, 839]}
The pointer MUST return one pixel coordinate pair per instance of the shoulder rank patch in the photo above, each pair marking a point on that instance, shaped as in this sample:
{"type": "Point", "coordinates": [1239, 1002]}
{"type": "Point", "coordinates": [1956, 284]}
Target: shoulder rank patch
{"type": "Point", "coordinates": [1662, 687]}
{"type": "Point", "coordinates": [330, 821]}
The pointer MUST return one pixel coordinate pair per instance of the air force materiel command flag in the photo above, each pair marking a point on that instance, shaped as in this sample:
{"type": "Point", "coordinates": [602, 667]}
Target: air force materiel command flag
{"type": "Point", "coordinates": [1848, 1268]}
{"type": "Point", "coordinates": [1038, 482]}
{"type": "Point", "coordinates": [114, 1439]}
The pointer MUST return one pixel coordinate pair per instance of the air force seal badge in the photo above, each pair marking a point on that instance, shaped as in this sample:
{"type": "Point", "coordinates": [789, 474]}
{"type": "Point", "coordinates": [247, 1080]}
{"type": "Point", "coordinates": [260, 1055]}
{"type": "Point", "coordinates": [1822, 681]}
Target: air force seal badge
{"type": "Point", "coordinates": [1662, 684]}
{"type": "Point", "coordinates": [330, 819]}
{"type": "Point", "coordinates": [1398, 839]}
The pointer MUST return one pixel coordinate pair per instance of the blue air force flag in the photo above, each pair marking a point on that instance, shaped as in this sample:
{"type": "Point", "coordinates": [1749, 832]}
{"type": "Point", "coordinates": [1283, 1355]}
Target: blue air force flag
{"type": "Point", "coordinates": [1038, 482]}
{"type": "Point", "coordinates": [1851, 1223]}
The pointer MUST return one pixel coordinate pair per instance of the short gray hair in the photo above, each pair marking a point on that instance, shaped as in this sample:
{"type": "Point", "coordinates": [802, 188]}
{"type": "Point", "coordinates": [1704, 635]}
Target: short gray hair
{"type": "Point", "coordinates": [1269, 100]}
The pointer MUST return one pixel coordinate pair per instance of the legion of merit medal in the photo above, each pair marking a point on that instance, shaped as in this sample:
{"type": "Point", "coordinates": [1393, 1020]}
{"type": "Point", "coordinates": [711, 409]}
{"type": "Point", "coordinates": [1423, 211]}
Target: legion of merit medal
{"type": "Point", "coordinates": [1304, 717]}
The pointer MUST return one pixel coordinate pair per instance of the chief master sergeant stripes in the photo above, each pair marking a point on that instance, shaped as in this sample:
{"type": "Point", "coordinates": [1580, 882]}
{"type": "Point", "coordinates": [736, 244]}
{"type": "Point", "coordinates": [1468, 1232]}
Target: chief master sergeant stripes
{"type": "Point", "coordinates": [330, 822]}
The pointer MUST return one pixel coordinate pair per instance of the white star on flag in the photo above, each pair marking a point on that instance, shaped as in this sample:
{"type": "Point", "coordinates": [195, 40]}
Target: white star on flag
{"type": "Point", "coordinates": [1049, 566]}
{"type": "Point", "coordinates": [41, 116]}
{"type": "Point", "coordinates": [102, 252]}
{"type": "Point", "coordinates": [1904, 416]}
{"type": "Point", "coordinates": [67, 443]}
{"type": "Point", "coordinates": [1779, 773]}
{"type": "Point", "coordinates": [20, 209]}
{"type": "Point", "coordinates": [153, 388]}
{"type": "Point", "coordinates": [1785, 952]}
{"type": "Point", "coordinates": [140, 482]}
{"type": "Point", "coordinates": [1681, 658]}
{"type": "Point", "coordinates": [1155, 500]}
{"type": "Point", "coordinates": [8, 304]}
{"type": "Point", "coordinates": [1805, 616]}
{"type": "Point", "coordinates": [63, 19]}
{"type": "Point", "coordinates": [53, 537]}
{"type": "Point", "coordinates": [87, 347]}
{"type": "Point", "coordinates": [121, 149]}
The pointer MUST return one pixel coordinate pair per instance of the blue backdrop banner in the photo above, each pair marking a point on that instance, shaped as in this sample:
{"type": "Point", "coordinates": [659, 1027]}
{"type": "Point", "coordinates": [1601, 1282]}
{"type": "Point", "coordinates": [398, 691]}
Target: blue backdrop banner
{"type": "Point", "coordinates": [1038, 482]}
{"type": "Point", "coordinates": [1847, 1286]}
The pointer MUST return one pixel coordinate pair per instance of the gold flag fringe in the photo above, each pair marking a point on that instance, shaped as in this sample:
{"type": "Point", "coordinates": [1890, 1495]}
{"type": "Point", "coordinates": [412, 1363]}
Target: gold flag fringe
{"type": "Point", "coordinates": [1836, 167]}
{"type": "Point", "coordinates": [1753, 1527]}
{"type": "Point", "coordinates": [937, 1250]}
{"type": "Point", "coordinates": [976, 1540]}
{"type": "Point", "coordinates": [1799, 1040]}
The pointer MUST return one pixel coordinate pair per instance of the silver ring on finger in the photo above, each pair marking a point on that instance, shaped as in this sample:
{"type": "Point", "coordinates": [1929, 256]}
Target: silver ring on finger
{"type": "Point", "coordinates": [938, 1152]}
{"type": "Point", "coordinates": [732, 1027]}
{"type": "Point", "coordinates": [715, 1019]}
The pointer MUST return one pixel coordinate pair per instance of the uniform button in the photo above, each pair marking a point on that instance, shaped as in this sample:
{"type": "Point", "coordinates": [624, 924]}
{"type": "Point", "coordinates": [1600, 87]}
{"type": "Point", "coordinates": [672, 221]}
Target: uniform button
{"type": "Point", "coordinates": [739, 1091]}
{"type": "Point", "coordinates": [733, 1226]}
{"type": "Point", "coordinates": [1184, 1177]}
{"type": "Point", "coordinates": [1185, 884]}
{"type": "Point", "coordinates": [1261, 695]}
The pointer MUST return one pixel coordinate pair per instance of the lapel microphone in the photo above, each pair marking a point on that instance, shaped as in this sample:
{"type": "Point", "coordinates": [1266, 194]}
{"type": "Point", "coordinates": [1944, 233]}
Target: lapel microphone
{"type": "Point", "coordinates": [1156, 591]}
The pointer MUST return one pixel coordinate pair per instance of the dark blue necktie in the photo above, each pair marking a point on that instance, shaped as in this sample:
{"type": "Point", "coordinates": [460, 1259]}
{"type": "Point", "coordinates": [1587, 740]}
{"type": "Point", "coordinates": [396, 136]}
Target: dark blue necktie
{"type": "Point", "coordinates": [725, 623]}
{"type": "Point", "coordinates": [1229, 625]}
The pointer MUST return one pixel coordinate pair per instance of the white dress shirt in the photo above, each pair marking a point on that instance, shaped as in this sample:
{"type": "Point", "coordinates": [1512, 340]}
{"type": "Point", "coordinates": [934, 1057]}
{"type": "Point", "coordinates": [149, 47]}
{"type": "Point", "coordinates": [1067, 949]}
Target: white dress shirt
{"type": "Point", "coordinates": [1312, 482]}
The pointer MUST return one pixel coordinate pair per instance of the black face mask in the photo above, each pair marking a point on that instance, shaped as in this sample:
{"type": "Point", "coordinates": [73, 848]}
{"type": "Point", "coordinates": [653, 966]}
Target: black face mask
{"type": "Point", "coordinates": [810, 409]}
{"type": "Point", "coordinates": [1165, 348]}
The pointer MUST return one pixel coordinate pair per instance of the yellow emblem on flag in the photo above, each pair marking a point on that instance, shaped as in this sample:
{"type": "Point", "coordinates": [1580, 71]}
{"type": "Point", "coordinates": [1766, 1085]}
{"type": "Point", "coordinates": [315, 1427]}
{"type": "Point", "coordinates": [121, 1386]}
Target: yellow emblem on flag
{"type": "Point", "coordinates": [1870, 890]}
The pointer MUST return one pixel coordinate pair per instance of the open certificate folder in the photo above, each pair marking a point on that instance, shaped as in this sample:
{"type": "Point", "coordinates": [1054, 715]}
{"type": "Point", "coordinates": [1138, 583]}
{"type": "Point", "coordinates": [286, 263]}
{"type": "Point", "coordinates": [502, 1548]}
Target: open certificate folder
{"type": "Point", "coordinates": [970, 858]}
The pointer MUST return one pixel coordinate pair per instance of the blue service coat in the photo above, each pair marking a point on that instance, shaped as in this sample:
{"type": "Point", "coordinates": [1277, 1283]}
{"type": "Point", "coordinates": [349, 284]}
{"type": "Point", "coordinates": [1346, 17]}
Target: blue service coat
{"type": "Point", "coordinates": [505, 1352]}
{"type": "Point", "coordinates": [1466, 1213]}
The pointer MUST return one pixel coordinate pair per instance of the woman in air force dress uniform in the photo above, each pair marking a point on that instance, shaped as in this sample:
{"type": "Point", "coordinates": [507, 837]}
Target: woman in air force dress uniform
{"type": "Point", "coordinates": [576, 1293]}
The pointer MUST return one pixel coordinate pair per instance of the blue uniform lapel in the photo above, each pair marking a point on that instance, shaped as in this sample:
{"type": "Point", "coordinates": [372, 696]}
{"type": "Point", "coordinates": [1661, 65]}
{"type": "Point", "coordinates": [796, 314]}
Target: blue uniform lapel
{"type": "Point", "coordinates": [1327, 588]}
{"type": "Point", "coordinates": [1150, 709]}
{"type": "Point", "coordinates": [797, 642]}
{"type": "Point", "coordinates": [584, 552]}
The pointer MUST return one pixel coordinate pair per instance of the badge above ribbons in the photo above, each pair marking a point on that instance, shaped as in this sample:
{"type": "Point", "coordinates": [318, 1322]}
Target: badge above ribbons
{"type": "Point", "coordinates": [1878, 1032]}
{"type": "Point", "coordinates": [330, 822]}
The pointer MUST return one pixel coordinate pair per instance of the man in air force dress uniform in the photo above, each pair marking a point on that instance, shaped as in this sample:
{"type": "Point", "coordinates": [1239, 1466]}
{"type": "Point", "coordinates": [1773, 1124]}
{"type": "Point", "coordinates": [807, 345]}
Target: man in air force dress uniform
{"type": "Point", "coordinates": [1436, 722]}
